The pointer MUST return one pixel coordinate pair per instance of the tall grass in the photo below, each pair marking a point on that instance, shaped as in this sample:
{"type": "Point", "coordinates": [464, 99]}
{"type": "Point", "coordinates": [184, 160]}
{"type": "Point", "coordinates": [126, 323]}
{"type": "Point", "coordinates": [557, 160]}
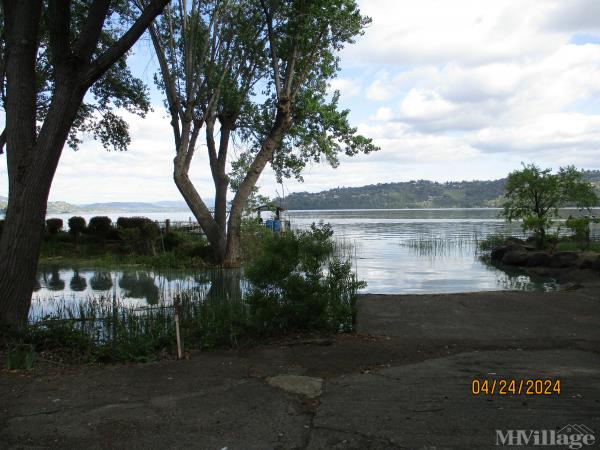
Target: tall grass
{"type": "Point", "coordinates": [108, 329]}
{"type": "Point", "coordinates": [441, 245]}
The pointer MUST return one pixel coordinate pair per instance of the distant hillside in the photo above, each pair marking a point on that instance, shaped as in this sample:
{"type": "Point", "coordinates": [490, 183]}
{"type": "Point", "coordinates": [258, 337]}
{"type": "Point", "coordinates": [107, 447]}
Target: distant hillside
{"type": "Point", "coordinates": [110, 207]}
{"type": "Point", "coordinates": [410, 194]}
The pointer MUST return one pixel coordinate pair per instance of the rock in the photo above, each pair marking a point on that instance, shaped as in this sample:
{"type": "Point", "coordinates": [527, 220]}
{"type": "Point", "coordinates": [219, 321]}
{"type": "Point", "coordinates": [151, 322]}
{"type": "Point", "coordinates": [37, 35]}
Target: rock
{"type": "Point", "coordinates": [498, 253]}
{"type": "Point", "coordinates": [561, 260]}
{"type": "Point", "coordinates": [298, 384]}
{"type": "Point", "coordinates": [514, 242]}
{"type": "Point", "coordinates": [537, 259]}
{"type": "Point", "coordinates": [516, 257]}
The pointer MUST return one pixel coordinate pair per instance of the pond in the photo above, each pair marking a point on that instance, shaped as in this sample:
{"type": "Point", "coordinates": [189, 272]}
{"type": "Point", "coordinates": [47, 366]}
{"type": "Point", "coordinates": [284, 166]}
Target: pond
{"type": "Point", "coordinates": [396, 251]}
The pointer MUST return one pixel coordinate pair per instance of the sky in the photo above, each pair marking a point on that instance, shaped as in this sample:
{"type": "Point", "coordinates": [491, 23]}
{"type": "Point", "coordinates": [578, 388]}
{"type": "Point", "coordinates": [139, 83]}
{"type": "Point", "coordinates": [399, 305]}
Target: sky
{"type": "Point", "coordinates": [456, 90]}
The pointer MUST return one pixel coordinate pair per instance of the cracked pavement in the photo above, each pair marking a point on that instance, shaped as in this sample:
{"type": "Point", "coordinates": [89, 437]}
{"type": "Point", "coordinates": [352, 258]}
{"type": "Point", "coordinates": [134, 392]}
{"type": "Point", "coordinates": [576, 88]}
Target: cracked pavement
{"type": "Point", "coordinates": [403, 381]}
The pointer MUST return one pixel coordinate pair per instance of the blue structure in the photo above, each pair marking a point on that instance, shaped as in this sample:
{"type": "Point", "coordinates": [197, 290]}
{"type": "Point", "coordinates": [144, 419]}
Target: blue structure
{"type": "Point", "coordinates": [276, 224]}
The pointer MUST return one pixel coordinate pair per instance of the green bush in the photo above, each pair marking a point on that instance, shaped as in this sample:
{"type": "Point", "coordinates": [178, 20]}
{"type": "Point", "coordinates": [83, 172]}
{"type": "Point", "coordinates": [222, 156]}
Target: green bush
{"type": "Point", "coordinates": [172, 240]}
{"type": "Point", "coordinates": [491, 242]}
{"type": "Point", "coordinates": [149, 233]}
{"type": "Point", "coordinates": [139, 233]}
{"type": "Point", "coordinates": [132, 222]}
{"type": "Point", "coordinates": [54, 226]}
{"type": "Point", "coordinates": [580, 229]}
{"type": "Point", "coordinates": [76, 226]}
{"type": "Point", "coordinates": [100, 227]}
{"type": "Point", "coordinates": [297, 283]}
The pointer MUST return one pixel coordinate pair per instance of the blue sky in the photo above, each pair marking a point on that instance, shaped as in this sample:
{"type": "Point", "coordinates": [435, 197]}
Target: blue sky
{"type": "Point", "coordinates": [448, 90]}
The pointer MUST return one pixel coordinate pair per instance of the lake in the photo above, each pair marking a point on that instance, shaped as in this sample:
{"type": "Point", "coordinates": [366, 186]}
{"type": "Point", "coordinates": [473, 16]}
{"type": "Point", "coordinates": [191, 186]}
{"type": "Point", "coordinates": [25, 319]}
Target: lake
{"type": "Point", "coordinates": [404, 251]}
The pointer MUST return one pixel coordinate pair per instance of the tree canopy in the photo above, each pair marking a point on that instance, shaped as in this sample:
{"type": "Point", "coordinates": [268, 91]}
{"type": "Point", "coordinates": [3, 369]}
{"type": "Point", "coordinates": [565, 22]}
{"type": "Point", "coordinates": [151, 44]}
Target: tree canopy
{"type": "Point", "coordinates": [534, 195]}
{"type": "Point", "coordinates": [260, 71]}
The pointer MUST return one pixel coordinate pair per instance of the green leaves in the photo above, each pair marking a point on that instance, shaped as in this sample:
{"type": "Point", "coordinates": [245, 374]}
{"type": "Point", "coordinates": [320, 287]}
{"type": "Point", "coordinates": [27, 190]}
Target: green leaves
{"type": "Point", "coordinates": [535, 195]}
{"type": "Point", "coordinates": [116, 89]}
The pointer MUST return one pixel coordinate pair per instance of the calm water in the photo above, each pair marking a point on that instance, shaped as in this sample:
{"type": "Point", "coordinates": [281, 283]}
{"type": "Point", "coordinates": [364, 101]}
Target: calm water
{"type": "Point", "coordinates": [392, 251]}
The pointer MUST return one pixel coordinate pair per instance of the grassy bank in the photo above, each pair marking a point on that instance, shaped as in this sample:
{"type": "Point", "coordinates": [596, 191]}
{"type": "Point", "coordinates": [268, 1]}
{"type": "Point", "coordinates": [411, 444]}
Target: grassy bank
{"type": "Point", "coordinates": [174, 250]}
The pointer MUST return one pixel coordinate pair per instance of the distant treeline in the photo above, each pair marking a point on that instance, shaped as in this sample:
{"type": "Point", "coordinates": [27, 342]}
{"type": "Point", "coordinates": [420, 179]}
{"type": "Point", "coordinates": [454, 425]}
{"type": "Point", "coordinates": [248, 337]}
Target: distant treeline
{"type": "Point", "coordinates": [410, 194]}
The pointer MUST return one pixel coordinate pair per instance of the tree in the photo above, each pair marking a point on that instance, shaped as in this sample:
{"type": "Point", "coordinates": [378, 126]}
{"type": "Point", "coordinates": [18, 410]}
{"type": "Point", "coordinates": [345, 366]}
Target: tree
{"type": "Point", "coordinates": [76, 227]}
{"type": "Point", "coordinates": [534, 196]}
{"type": "Point", "coordinates": [53, 54]}
{"type": "Point", "coordinates": [54, 226]}
{"type": "Point", "coordinates": [214, 57]}
{"type": "Point", "coordinates": [100, 226]}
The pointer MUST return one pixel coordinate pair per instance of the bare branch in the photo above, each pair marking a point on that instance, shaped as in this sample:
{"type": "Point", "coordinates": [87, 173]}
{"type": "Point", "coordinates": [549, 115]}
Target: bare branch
{"type": "Point", "coordinates": [170, 89]}
{"type": "Point", "coordinates": [273, 46]}
{"type": "Point", "coordinates": [119, 48]}
{"type": "Point", "coordinates": [90, 33]}
{"type": "Point", "coordinates": [59, 24]}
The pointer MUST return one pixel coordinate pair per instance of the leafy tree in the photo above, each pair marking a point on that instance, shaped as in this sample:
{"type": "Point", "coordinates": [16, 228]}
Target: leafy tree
{"type": "Point", "coordinates": [100, 226]}
{"type": "Point", "coordinates": [54, 226]}
{"type": "Point", "coordinates": [54, 53]}
{"type": "Point", "coordinates": [258, 71]}
{"type": "Point", "coordinates": [76, 226]}
{"type": "Point", "coordinates": [534, 196]}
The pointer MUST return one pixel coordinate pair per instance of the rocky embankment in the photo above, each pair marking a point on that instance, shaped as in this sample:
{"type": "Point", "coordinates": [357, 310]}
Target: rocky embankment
{"type": "Point", "coordinates": [519, 253]}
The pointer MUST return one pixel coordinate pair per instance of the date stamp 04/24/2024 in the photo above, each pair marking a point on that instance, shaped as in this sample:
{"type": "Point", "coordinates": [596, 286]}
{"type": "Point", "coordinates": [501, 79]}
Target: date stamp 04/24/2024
{"type": "Point", "coordinates": [514, 386]}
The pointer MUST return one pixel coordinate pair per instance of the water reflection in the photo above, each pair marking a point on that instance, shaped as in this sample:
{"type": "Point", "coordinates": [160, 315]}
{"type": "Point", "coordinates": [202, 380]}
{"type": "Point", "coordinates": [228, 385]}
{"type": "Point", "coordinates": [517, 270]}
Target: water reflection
{"type": "Point", "coordinates": [78, 283]}
{"type": "Point", "coordinates": [54, 282]}
{"type": "Point", "coordinates": [139, 285]}
{"type": "Point", "coordinates": [101, 281]}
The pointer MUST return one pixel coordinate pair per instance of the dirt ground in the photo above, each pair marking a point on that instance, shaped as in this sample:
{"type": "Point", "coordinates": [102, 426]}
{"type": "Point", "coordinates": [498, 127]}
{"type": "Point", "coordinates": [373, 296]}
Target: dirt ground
{"type": "Point", "coordinates": [403, 381]}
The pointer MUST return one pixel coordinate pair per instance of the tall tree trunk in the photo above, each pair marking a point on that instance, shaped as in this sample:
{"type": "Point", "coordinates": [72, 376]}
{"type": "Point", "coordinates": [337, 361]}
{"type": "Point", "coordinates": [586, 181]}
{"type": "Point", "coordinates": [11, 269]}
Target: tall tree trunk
{"type": "Point", "coordinates": [234, 226]}
{"type": "Point", "coordinates": [215, 236]}
{"type": "Point", "coordinates": [20, 247]}
{"type": "Point", "coordinates": [29, 188]}
{"type": "Point", "coordinates": [221, 180]}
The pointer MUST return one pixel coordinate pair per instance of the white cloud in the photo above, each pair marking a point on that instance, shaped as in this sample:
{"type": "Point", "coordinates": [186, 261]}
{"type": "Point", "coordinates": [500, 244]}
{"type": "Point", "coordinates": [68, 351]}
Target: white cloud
{"type": "Point", "coordinates": [457, 89]}
{"type": "Point", "coordinates": [348, 87]}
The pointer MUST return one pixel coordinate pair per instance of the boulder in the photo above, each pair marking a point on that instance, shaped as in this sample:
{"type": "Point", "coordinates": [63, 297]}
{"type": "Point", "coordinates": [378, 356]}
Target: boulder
{"type": "Point", "coordinates": [498, 253]}
{"type": "Point", "coordinates": [298, 384]}
{"type": "Point", "coordinates": [561, 260]}
{"type": "Point", "coordinates": [538, 259]}
{"type": "Point", "coordinates": [517, 257]}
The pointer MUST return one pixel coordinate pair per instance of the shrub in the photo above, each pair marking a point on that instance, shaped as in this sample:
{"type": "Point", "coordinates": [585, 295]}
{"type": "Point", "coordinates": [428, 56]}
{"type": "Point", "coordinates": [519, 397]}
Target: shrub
{"type": "Point", "coordinates": [580, 229]}
{"type": "Point", "coordinates": [100, 226]}
{"type": "Point", "coordinates": [76, 226]}
{"type": "Point", "coordinates": [132, 222]}
{"type": "Point", "coordinates": [149, 233]}
{"type": "Point", "coordinates": [491, 242]}
{"type": "Point", "coordinates": [54, 226]}
{"type": "Point", "coordinates": [139, 232]}
{"type": "Point", "coordinates": [172, 240]}
{"type": "Point", "coordinates": [1, 226]}
{"type": "Point", "coordinates": [297, 283]}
